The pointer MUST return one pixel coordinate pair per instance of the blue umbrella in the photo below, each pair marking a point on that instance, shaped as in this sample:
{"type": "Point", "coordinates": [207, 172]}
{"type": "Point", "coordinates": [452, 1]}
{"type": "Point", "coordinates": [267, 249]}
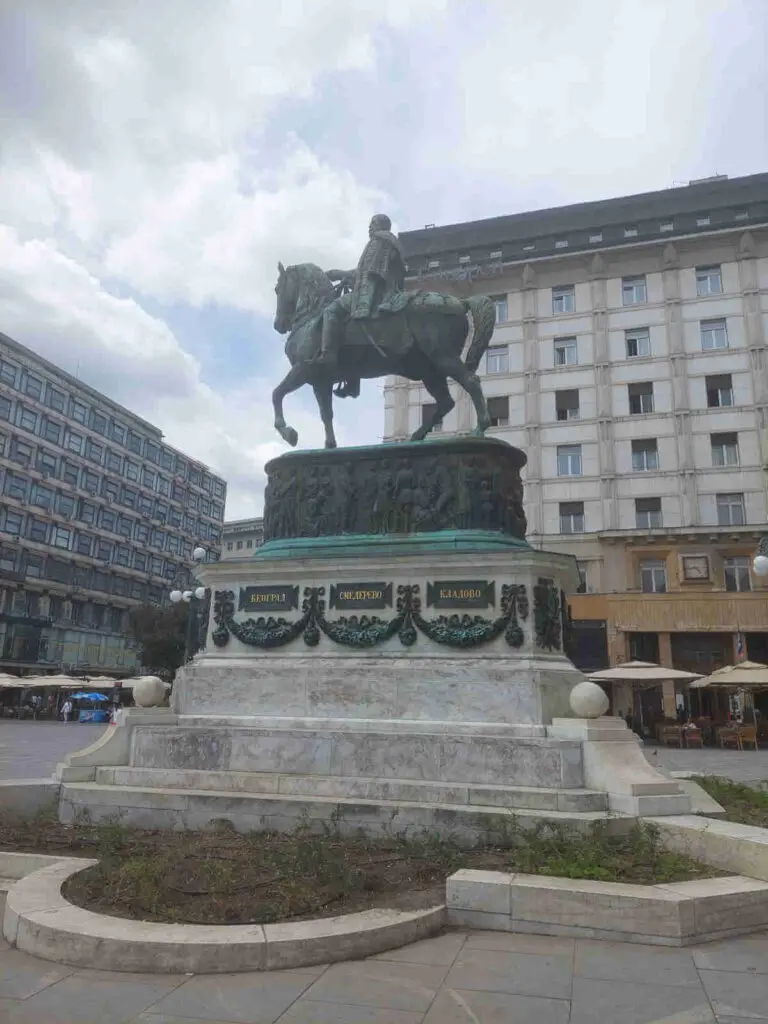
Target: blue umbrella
{"type": "Point", "coordinates": [84, 695]}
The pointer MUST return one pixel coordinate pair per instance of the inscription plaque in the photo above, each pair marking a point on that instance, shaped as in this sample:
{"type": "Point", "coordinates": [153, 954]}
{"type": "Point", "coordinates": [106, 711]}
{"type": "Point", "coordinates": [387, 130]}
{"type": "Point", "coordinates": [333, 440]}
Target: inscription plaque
{"type": "Point", "coordinates": [361, 595]}
{"type": "Point", "coordinates": [275, 598]}
{"type": "Point", "coordinates": [461, 594]}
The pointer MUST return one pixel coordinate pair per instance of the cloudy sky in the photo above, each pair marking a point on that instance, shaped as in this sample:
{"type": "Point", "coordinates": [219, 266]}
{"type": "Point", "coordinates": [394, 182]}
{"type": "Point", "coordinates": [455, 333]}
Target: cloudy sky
{"type": "Point", "coordinates": [158, 157]}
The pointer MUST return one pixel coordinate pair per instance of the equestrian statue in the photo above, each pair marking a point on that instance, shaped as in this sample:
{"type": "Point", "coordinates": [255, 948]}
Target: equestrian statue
{"type": "Point", "coordinates": [346, 325]}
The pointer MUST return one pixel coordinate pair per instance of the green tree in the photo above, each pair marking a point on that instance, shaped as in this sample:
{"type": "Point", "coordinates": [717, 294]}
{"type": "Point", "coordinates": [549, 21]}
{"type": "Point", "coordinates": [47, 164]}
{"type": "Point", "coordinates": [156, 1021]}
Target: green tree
{"type": "Point", "coordinates": [161, 633]}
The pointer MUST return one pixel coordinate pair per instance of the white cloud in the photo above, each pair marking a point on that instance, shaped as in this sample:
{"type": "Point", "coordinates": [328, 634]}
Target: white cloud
{"type": "Point", "coordinates": [134, 158]}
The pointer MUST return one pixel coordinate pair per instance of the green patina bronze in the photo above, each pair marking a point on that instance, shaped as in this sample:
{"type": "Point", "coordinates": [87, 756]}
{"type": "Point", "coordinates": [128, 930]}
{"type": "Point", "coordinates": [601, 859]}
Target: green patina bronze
{"type": "Point", "coordinates": [467, 488]}
{"type": "Point", "coordinates": [346, 325]}
{"type": "Point", "coordinates": [458, 631]}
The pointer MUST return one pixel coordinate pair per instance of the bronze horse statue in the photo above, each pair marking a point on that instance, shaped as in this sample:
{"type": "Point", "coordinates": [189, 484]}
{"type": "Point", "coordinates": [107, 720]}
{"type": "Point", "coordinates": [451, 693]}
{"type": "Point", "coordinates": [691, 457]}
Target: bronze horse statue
{"type": "Point", "coordinates": [423, 341]}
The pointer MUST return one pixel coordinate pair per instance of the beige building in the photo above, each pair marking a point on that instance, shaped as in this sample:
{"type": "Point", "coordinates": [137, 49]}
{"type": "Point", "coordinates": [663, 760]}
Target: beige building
{"type": "Point", "coordinates": [630, 363]}
{"type": "Point", "coordinates": [241, 537]}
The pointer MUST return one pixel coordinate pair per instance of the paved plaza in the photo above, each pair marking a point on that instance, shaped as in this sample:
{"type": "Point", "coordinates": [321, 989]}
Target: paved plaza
{"type": "Point", "coordinates": [456, 978]}
{"type": "Point", "coordinates": [31, 750]}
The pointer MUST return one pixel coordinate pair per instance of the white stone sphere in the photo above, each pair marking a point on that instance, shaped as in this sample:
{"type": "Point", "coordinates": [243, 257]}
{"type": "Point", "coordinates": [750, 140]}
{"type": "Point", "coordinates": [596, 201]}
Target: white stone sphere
{"type": "Point", "coordinates": [588, 700]}
{"type": "Point", "coordinates": [149, 692]}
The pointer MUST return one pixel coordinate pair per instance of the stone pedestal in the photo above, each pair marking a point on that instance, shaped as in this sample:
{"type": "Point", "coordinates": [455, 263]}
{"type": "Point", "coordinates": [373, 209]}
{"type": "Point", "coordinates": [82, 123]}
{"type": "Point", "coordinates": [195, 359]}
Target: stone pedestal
{"type": "Point", "coordinates": [402, 677]}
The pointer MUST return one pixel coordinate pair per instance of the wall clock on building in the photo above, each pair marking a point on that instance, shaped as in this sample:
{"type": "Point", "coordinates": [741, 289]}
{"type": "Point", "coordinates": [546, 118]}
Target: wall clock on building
{"type": "Point", "coordinates": [695, 567]}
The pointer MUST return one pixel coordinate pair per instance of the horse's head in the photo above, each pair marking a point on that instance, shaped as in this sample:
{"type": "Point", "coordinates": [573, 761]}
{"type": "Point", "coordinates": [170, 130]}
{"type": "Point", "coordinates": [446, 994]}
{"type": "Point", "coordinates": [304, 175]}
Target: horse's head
{"type": "Point", "coordinates": [302, 291]}
{"type": "Point", "coordinates": [287, 293]}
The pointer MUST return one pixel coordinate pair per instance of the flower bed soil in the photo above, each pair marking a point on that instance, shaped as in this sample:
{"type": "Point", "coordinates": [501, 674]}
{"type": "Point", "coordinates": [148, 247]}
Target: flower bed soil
{"type": "Point", "coordinates": [219, 876]}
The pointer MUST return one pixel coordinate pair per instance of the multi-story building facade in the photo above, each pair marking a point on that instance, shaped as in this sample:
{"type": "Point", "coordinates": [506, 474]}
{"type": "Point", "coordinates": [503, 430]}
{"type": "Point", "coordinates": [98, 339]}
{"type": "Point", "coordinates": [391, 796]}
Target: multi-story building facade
{"type": "Point", "coordinates": [630, 363]}
{"type": "Point", "coordinates": [97, 516]}
{"type": "Point", "coordinates": [240, 537]}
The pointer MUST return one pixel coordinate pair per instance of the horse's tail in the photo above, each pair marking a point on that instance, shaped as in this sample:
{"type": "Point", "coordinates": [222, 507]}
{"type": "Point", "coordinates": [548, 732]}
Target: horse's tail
{"type": "Point", "coordinates": [483, 313]}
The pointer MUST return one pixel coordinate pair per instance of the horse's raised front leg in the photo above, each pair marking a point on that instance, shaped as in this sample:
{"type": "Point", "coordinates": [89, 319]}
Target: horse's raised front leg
{"type": "Point", "coordinates": [324, 396]}
{"type": "Point", "coordinates": [295, 378]}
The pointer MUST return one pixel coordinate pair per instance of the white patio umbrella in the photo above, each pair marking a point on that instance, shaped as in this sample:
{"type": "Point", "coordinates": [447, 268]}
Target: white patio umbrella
{"type": "Point", "coordinates": [746, 675]}
{"type": "Point", "coordinates": [641, 672]}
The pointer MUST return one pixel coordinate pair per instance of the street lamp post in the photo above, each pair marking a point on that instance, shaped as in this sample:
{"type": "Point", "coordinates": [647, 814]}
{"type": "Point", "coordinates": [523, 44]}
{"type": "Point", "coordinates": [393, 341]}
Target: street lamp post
{"type": "Point", "coordinates": [192, 598]}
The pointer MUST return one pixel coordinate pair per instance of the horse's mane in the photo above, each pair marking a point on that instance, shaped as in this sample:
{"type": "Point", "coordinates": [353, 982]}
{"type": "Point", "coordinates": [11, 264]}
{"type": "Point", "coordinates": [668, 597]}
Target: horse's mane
{"type": "Point", "coordinates": [315, 293]}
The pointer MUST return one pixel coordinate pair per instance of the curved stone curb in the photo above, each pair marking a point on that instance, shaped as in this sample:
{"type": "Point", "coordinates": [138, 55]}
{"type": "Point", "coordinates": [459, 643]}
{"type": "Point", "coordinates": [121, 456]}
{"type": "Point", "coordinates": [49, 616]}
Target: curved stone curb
{"type": "Point", "coordinates": [40, 921]}
{"type": "Point", "coordinates": [673, 914]}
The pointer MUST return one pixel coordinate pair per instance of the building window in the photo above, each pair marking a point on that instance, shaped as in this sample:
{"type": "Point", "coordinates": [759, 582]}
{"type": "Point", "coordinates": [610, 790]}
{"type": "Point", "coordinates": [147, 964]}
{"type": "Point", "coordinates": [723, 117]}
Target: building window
{"type": "Point", "coordinates": [74, 442]}
{"type": "Point", "coordinates": [640, 398]}
{"type": "Point", "coordinates": [140, 561]}
{"type": "Point", "coordinates": [497, 359]}
{"type": "Point", "coordinates": [131, 470]}
{"type": "Point", "coordinates": [156, 566]}
{"type": "Point", "coordinates": [427, 411]}
{"type": "Point", "coordinates": [638, 342]}
{"type": "Point", "coordinates": [65, 504]}
{"type": "Point", "coordinates": [34, 387]}
{"type": "Point", "coordinates": [115, 620]}
{"type": "Point", "coordinates": [501, 308]}
{"type": "Point", "coordinates": [104, 550]}
{"type": "Point", "coordinates": [569, 460]}
{"type": "Point", "coordinates": [229, 545]}
{"type": "Point", "coordinates": [630, 232]}
{"type": "Point", "coordinates": [141, 533]}
{"type": "Point", "coordinates": [94, 451]}
{"type": "Point", "coordinates": [90, 482]}
{"type": "Point", "coordinates": [14, 522]}
{"type": "Point", "coordinates": [567, 405]}
{"type": "Point", "coordinates": [42, 496]}
{"type": "Point", "coordinates": [79, 412]}
{"type": "Point", "coordinates": [34, 568]}
{"type": "Point", "coordinates": [83, 544]}
{"type": "Point", "coordinates": [645, 455]}
{"type": "Point", "coordinates": [239, 545]}
{"type": "Point", "coordinates": [8, 373]}
{"type": "Point", "coordinates": [730, 509]}
{"type": "Point", "coordinates": [21, 453]}
{"type": "Point", "coordinates": [107, 520]}
{"type": "Point", "coordinates": [99, 422]}
{"type": "Point", "coordinates": [27, 419]}
{"type": "Point", "coordinates": [46, 463]}
{"type": "Point", "coordinates": [5, 408]}
{"type": "Point", "coordinates": [566, 352]}
{"type": "Point", "coordinates": [714, 335]}
{"type": "Point", "coordinates": [124, 526]}
{"type": "Point", "coordinates": [111, 490]}
{"type": "Point", "coordinates": [597, 236]}
{"type": "Point", "coordinates": [164, 486]}
{"type": "Point", "coordinates": [249, 543]}
{"type": "Point", "coordinates": [157, 539]}
{"type": "Point", "coordinates": [736, 573]}
{"type": "Point", "coordinates": [653, 577]}
{"type": "Point", "coordinates": [52, 431]}
{"type": "Point", "coordinates": [571, 517]}
{"type": "Point", "coordinates": [129, 497]}
{"type": "Point", "coordinates": [16, 486]}
{"type": "Point", "coordinates": [719, 391]}
{"type": "Point", "coordinates": [118, 432]}
{"type": "Point", "coordinates": [38, 531]}
{"type": "Point", "coordinates": [70, 473]}
{"type": "Point", "coordinates": [148, 478]}
{"type": "Point", "coordinates": [648, 513]}
{"type": "Point", "coordinates": [122, 555]}
{"type": "Point", "coordinates": [87, 512]}
{"type": "Point", "coordinates": [564, 299]}
{"type": "Point", "coordinates": [61, 537]}
{"type": "Point", "coordinates": [633, 290]}
{"type": "Point", "coordinates": [725, 449]}
{"type": "Point", "coordinates": [57, 399]}
{"type": "Point", "coordinates": [709, 281]}
{"type": "Point", "coordinates": [702, 222]}
{"type": "Point", "coordinates": [152, 452]}
{"type": "Point", "coordinates": [498, 410]}
{"type": "Point", "coordinates": [114, 462]}
{"type": "Point", "coordinates": [667, 225]}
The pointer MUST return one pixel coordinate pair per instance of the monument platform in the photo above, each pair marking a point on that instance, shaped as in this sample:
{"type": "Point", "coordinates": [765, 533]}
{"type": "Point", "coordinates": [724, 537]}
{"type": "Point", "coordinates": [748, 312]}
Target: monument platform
{"type": "Point", "coordinates": [393, 657]}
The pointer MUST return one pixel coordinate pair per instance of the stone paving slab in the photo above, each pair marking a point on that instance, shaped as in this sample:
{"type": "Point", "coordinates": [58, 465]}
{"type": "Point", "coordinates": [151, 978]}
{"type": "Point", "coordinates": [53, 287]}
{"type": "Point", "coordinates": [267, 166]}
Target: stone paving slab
{"type": "Point", "coordinates": [455, 978]}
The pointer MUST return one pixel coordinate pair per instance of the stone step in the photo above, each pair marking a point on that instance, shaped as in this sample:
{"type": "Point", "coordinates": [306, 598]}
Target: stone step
{"type": "Point", "coordinates": [148, 807]}
{"type": "Point", "coordinates": [346, 787]}
{"type": "Point", "coordinates": [381, 753]}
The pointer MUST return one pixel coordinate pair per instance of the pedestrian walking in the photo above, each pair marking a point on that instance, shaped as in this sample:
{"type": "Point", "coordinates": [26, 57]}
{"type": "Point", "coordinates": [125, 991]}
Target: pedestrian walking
{"type": "Point", "coordinates": [66, 709]}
